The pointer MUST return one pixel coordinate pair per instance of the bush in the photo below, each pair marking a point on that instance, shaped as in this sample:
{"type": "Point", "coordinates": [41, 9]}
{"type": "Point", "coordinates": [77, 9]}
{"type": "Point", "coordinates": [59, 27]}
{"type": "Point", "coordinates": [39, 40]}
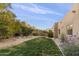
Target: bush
{"type": "Point", "coordinates": [4, 33]}
{"type": "Point", "coordinates": [50, 33]}
{"type": "Point", "coordinates": [71, 50]}
{"type": "Point", "coordinates": [16, 34]}
{"type": "Point", "coordinates": [35, 33]}
{"type": "Point", "coordinates": [39, 33]}
{"type": "Point", "coordinates": [26, 31]}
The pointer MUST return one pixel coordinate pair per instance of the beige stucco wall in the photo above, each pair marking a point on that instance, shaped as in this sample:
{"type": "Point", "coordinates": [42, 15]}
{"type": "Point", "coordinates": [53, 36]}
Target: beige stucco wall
{"type": "Point", "coordinates": [76, 20]}
{"type": "Point", "coordinates": [76, 25]}
{"type": "Point", "coordinates": [70, 19]}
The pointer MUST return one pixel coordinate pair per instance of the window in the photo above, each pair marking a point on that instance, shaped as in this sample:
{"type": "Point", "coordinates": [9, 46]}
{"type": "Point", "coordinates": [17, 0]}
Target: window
{"type": "Point", "coordinates": [69, 30]}
{"type": "Point", "coordinates": [74, 11]}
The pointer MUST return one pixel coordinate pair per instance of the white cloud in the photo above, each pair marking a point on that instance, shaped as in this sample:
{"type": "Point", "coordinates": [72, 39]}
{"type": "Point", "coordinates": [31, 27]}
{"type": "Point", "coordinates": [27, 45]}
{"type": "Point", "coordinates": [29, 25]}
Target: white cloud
{"type": "Point", "coordinates": [36, 9]}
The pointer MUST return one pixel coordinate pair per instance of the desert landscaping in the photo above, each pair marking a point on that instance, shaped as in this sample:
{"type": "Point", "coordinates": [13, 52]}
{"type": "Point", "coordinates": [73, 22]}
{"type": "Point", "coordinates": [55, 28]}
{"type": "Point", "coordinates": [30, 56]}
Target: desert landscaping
{"type": "Point", "coordinates": [18, 38]}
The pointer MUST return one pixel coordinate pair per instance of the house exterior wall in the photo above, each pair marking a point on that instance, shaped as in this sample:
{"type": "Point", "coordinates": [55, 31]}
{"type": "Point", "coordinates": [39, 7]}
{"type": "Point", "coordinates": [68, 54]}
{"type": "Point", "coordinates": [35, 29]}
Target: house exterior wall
{"type": "Point", "coordinates": [71, 19]}
{"type": "Point", "coordinates": [56, 30]}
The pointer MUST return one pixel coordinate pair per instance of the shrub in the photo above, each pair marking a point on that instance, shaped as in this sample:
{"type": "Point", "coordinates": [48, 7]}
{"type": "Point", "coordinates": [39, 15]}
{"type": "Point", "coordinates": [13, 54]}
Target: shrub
{"type": "Point", "coordinates": [17, 34]}
{"type": "Point", "coordinates": [26, 31]}
{"type": "Point", "coordinates": [3, 32]}
{"type": "Point", "coordinates": [50, 33]}
{"type": "Point", "coordinates": [35, 33]}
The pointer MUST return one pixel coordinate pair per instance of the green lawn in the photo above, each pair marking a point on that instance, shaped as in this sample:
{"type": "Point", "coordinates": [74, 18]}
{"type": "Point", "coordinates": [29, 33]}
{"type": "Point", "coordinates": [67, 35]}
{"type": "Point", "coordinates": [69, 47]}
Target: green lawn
{"type": "Point", "coordinates": [36, 47]}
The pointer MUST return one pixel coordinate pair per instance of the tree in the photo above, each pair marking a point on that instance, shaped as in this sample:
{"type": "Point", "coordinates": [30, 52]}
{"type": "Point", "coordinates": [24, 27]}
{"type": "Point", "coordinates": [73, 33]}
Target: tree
{"type": "Point", "coordinates": [7, 20]}
{"type": "Point", "coordinates": [25, 29]}
{"type": "Point", "coordinates": [10, 26]}
{"type": "Point", "coordinates": [50, 33]}
{"type": "Point", "coordinates": [4, 6]}
{"type": "Point", "coordinates": [56, 30]}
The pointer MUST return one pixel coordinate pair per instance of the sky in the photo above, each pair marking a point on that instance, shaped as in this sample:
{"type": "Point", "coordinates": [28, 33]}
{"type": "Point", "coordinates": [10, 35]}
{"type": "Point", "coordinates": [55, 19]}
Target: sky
{"type": "Point", "coordinates": [41, 15]}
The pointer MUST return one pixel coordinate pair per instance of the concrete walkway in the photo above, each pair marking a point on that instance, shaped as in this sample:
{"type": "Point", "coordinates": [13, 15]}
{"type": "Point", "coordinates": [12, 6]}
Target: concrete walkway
{"type": "Point", "coordinates": [15, 41]}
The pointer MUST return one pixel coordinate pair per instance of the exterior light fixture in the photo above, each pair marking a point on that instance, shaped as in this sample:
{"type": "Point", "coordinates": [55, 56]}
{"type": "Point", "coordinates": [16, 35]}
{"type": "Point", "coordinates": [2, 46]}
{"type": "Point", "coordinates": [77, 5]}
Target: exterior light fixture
{"type": "Point", "coordinates": [74, 11]}
{"type": "Point", "coordinates": [70, 25]}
